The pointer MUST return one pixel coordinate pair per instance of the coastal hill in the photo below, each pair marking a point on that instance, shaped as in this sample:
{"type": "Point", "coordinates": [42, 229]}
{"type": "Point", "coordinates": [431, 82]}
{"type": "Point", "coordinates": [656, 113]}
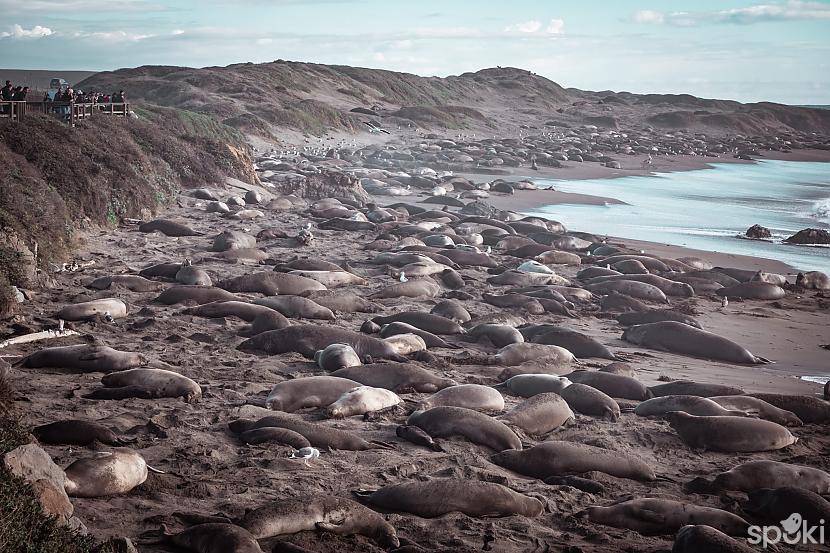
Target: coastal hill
{"type": "Point", "coordinates": [271, 98]}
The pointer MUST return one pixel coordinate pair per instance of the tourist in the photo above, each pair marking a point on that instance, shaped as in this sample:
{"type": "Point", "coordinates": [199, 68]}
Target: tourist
{"type": "Point", "coordinates": [7, 92]}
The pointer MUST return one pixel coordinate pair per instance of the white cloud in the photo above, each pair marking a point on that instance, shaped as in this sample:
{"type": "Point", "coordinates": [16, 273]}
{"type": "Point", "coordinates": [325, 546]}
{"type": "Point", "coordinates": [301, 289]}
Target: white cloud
{"type": "Point", "coordinates": [50, 6]}
{"type": "Point", "coordinates": [793, 10]}
{"type": "Point", "coordinates": [264, 41]}
{"type": "Point", "coordinates": [526, 27]}
{"type": "Point", "coordinates": [111, 36]}
{"type": "Point", "coordinates": [649, 16]}
{"type": "Point", "coordinates": [555, 27]}
{"type": "Point", "coordinates": [19, 32]}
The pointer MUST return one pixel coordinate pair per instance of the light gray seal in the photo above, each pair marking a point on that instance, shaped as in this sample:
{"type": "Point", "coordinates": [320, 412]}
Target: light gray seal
{"type": "Point", "coordinates": [653, 516]}
{"type": "Point", "coordinates": [730, 434]}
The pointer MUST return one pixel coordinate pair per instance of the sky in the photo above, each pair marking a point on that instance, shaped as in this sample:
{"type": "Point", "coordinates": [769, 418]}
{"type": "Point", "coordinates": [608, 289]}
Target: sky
{"type": "Point", "coordinates": [732, 49]}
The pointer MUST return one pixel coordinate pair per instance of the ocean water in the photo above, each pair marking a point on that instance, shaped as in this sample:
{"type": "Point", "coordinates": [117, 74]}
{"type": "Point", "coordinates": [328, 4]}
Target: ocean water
{"type": "Point", "coordinates": [706, 209]}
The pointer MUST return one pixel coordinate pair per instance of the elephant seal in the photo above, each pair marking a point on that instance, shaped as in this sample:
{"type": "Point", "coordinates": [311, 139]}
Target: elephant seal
{"type": "Point", "coordinates": [497, 334]}
{"type": "Point", "coordinates": [322, 512]}
{"type": "Point", "coordinates": [308, 339]}
{"type": "Point", "coordinates": [265, 321]}
{"type": "Point", "coordinates": [451, 279]}
{"type": "Point", "coordinates": [540, 414]}
{"type": "Point", "coordinates": [779, 505]}
{"type": "Point", "coordinates": [515, 354]}
{"type": "Point", "coordinates": [579, 344]}
{"type": "Point", "coordinates": [754, 475]}
{"type": "Point", "coordinates": [440, 496]}
{"type": "Point", "coordinates": [470, 396]}
{"type": "Point", "coordinates": [590, 401]}
{"type": "Point", "coordinates": [652, 516]}
{"type": "Point", "coordinates": [430, 339]}
{"type": "Point", "coordinates": [632, 288]}
{"type": "Point", "coordinates": [232, 240]}
{"type": "Point", "coordinates": [758, 408]}
{"type": "Point", "coordinates": [215, 537]}
{"type": "Point", "coordinates": [331, 279]}
{"type": "Point", "coordinates": [665, 285]}
{"type": "Point", "coordinates": [417, 436]}
{"type": "Point", "coordinates": [405, 344]}
{"type": "Point", "coordinates": [88, 310]}
{"type": "Point", "coordinates": [270, 283]}
{"type": "Point", "coordinates": [307, 265]}
{"type": "Point", "coordinates": [531, 305]}
{"type": "Point", "coordinates": [815, 280]}
{"type": "Point", "coordinates": [656, 316]}
{"type": "Point", "coordinates": [528, 385]}
{"type": "Point", "coordinates": [620, 303]}
{"type": "Point", "coordinates": [554, 458]}
{"type": "Point", "coordinates": [614, 385]}
{"type": "Point", "coordinates": [693, 405]}
{"type": "Point", "coordinates": [168, 228]}
{"type": "Point", "coordinates": [75, 432]}
{"type": "Point", "coordinates": [443, 422]}
{"type": "Point", "coordinates": [297, 307]}
{"type": "Point", "coordinates": [217, 309]}
{"type": "Point", "coordinates": [753, 291]}
{"type": "Point", "coordinates": [146, 383]}
{"type": "Point", "coordinates": [411, 289]}
{"type": "Point", "coordinates": [336, 356]}
{"type": "Point", "coordinates": [284, 436]}
{"type": "Point", "coordinates": [451, 310]}
{"type": "Point", "coordinates": [675, 337]}
{"type": "Point", "coordinates": [689, 388]}
{"type": "Point", "coordinates": [619, 368]}
{"type": "Point", "coordinates": [189, 274]}
{"type": "Point", "coordinates": [134, 283]}
{"type": "Point", "coordinates": [588, 273]}
{"type": "Point", "coordinates": [730, 434]}
{"type": "Point", "coordinates": [398, 377]}
{"type": "Point", "coordinates": [105, 473]}
{"type": "Point", "coordinates": [309, 391]}
{"type": "Point", "coordinates": [434, 324]}
{"type": "Point", "coordinates": [339, 300]}
{"type": "Point", "coordinates": [161, 270]}
{"type": "Point", "coordinates": [83, 358]}
{"type": "Point", "coordinates": [197, 294]}
{"type": "Point", "coordinates": [807, 408]}
{"type": "Point", "coordinates": [699, 537]}
{"type": "Point", "coordinates": [362, 400]}
{"type": "Point", "coordinates": [318, 435]}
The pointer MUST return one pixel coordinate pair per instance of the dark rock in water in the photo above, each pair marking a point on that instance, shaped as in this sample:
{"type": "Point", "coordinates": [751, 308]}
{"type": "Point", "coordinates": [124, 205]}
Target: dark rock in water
{"type": "Point", "coordinates": [810, 236]}
{"type": "Point", "coordinates": [757, 231]}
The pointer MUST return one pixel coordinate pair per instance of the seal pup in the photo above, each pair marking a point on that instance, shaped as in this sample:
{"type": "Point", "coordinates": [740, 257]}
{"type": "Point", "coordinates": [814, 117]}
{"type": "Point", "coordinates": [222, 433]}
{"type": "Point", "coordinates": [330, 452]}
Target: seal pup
{"type": "Point", "coordinates": [693, 405]}
{"type": "Point", "coordinates": [417, 436]}
{"type": "Point", "coordinates": [518, 353]}
{"type": "Point", "coordinates": [792, 507]}
{"type": "Point", "coordinates": [75, 432]}
{"type": "Point", "coordinates": [690, 388]}
{"type": "Point", "coordinates": [241, 309]}
{"type": "Point", "coordinates": [168, 228]}
{"type": "Point", "coordinates": [105, 473]}
{"type": "Point", "coordinates": [497, 334]}
{"type": "Point", "coordinates": [336, 356]}
{"type": "Point", "coordinates": [470, 396]}
{"type": "Point", "coordinates": [83, 358]}
{"type": "Point", "coordinates": [322, 512]}
{"type": "Point", "coordinates": [430, 339]}
{"type": "Point", "coordinates": [146, 383]}
{"type": "Point", "coordinates": [297, 307]}
{"type": "Point", "coordinates": [197, 294]}
{"type": "Point", "coordinates": [188, 274]}
{"type": "Point", "coordinates": [753, 291]}
{"type": "Point", "coordinates": [361, 400]}
{"type": "Point", "coordinates": [540, 414]}
{"type": "Point", "coordinates": [270, 283]}
{"type": "Point", "coordinates": [614, 385]}
{"type": "Point", "coordinates": [133, 283]}
{"type": "Point", "coordinates": [815, 280]}
{"type": "Point", "coordinates": [451, 310]}
{"type": "Point", "coordinates": [730, 434]}
{"type": "Point", "coordinates": [754, 475]}
{"type": "Point", "coordinates": [214, 537]}
{"type": "Point", "coordinates": [397, 377]}
{"type": "Point", "coordinates": [443, 422]}
{"type": "Point", "coordinates": [554, 458]}
{"type": "Point", "coordinates": [758, 408]}
{"type": "Point", "coordinates": [309, 391]}
{"type": "Point", "coordinates": [307, 339]}
{"type": "Point", "coordinates": [318, 435]}
{"type": "Point", "coordinates": [587, 400]}
{"type": "Point", "coordinates": [807, 408]}
{"type": "Point", "coordinates": [267, 434]}
{"type": "Point", "coordinates": [434, 324]}
{"type": "Point", "coordinates": [88, 310]}
{"type": "Point", "coordinates": [528, 385]}
{"type": "Point", "coordinates": [675, 337]}
{"type": "Point", "coordinates": [652, 516]}
{"type": "Point", "coordinates": [699, 538]}
{"type": "Point", "coordinates": [579, 344]}
{"type": "Point", "coordinates": [440, 496]}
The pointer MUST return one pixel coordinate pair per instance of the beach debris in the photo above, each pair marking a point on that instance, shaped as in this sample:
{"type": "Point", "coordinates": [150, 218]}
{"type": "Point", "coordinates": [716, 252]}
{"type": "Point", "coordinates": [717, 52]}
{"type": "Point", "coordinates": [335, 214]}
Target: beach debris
{"type": "Point", "coordinates": [60, 332]}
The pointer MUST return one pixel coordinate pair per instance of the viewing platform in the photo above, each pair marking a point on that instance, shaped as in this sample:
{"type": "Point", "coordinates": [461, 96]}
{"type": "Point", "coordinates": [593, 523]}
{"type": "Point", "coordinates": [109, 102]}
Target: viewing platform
{"type": "Point", "coordinates": [69, 112]}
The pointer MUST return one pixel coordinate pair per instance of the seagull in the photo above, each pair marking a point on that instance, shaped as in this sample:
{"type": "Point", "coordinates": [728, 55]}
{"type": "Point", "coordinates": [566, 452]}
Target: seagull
{"type": "Point", "coordinates": [724, 302]}
{"type": "Point", "coordinates": [402, 277]}
{"type": "Point", "coordinates": [305, 453]}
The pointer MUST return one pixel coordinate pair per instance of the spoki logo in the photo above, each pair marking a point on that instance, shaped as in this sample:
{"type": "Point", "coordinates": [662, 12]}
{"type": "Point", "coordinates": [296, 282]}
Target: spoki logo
{"type": "Point", "coordinates": [793, 530]}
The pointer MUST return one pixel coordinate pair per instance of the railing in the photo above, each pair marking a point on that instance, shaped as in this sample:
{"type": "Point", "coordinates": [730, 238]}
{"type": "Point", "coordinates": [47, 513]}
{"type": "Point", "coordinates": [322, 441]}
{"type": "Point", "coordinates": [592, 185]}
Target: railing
{"type": "Point", "coordinates": [71, 112]}
{"type": "Point", "coordinates": [12, 110]}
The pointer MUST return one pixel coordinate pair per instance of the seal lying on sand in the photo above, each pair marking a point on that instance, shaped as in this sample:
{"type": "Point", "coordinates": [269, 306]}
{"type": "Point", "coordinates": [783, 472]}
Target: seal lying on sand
{"type": "Point", "coordinates": [75, 432]}
{"type": "Point", "coordinates": [540, 414]}
{"type": "Point", "coordinates": [146, 383]}
{"type": "Point", "coordinates": [83, 358]}
{"type": "Point", "coordinates": [309, 391]}
{"type": "Point", "coordinates": [214, 537]}
{"type": "Point", "coordinates": [106, 473]}
{"type": "Point", "coordinates": [664, 516]}
{"type": "Point", "coordinates": [398, 377]}
{"type": "Point", "coordinates": [754, 475]}
{"type": "Point", "coordinates": [88, 310]}
{"type": "Point", "coordinates": [308, 339]}
{"type": "Point", "coordinates": [676, 337]}
{"type": "Point", "coordinates": [470, 396]}
{"type": "Point", "coordinates": [442, 422]}
{"type": "Point", "coordinates": [730, 434]}
{"type": "Point", "coordinates": [699, 538]}
{"type": "Point", "coordinates": [440, 496]}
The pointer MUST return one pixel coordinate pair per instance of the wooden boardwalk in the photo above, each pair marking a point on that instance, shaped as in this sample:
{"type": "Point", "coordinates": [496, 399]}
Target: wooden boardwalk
{"type": "Point", "coordinates": [70, 112]}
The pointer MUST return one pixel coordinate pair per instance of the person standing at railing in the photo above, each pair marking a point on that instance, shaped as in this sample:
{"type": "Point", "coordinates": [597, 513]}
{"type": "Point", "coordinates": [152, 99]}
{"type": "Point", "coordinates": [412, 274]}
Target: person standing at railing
{"type": "Point", "coordinates": [7, 92]}
{"type": "Point", "coordinates": [20, 94]}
